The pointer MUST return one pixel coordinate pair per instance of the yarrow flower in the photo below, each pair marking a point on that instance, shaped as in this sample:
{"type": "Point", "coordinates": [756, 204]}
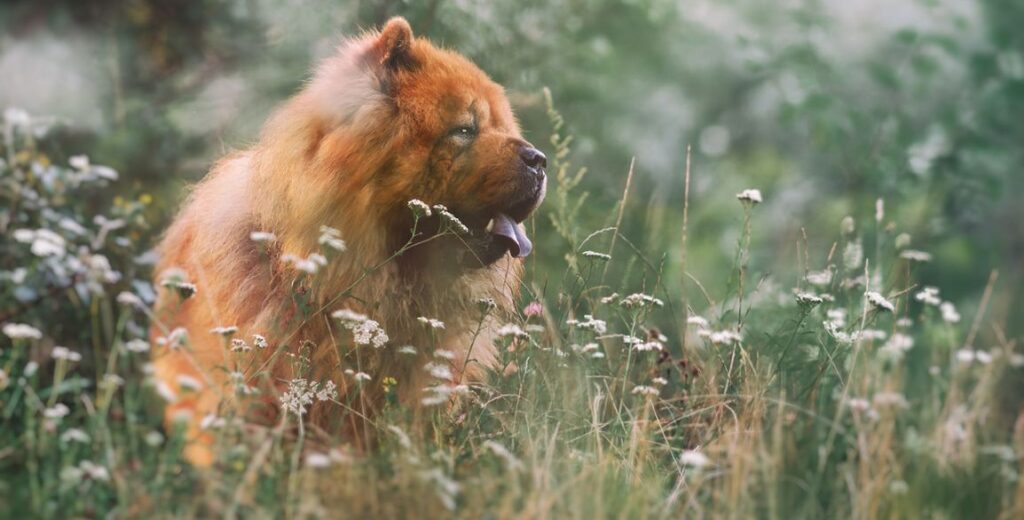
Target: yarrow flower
{"type": "Point", "coordinates": [419, 208]}
{"type": "Point", "coordinates": [647, 346]}
{"type": "Point", "coordinates": [137, 346]}
{"type": "Point", "coordinates": [819, 278]}
{"type": "Point", "coordinates": [431, 322]}
{"type": "Point", "coordinates": [224, 331]}
{"type": "Point", "coordinates": [513, 330]}
{"type": "Point", "coordinates": [65, 354]}
{"type": "Point", "coordinates": [646, 390]}
{"type": "Point", "coordinates": [879, 301]}
{"type": "Point", "coordinates": [176, 279]}
{"type": "Point", "coordinates": [331, 238]}
{"type": "Point", "coordinates": [915, 256]}
{"type": "Point", "coordinates": [301, 393]}
{"type": "Point", "coordinates": [694, 458]}
{"type": "Point", "coordinates": [749, 196]}
{"type": "Point", "coordinates": [364, 330]}
{"type": "Point", "coordinates": [640, 300]}
{"type": "Point", "coordinates": [699, 321]}
{"type": "Point", "coordinates": [239, 345]}
{"type": "Point", "coordinates": [929, 296]}
{"type": "Point", "coordinates": [949, 312]}
{"type": "Point", "coordinates": [310, 265]}
{"type": "Point", "coordinates": [129, 299]}
{"type": "Point", "coordinates": [597, 256]}
{"type": "Point", "coordinates": [259, 341]}
{"type": "Point", "coordinates": [721, 337]}
{"type": "Point", "coordinates": [808, 300]}
{"type": "Point", "coordinates": [589, 323]}
{"type": "Point", "coordinates": [448, 218]}
{"type": "Point", "coordinates": [21, 331]}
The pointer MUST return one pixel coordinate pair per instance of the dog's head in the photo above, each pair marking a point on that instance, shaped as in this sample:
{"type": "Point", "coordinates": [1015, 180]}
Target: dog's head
{"type": "Point", "coordinates": [418, 122]}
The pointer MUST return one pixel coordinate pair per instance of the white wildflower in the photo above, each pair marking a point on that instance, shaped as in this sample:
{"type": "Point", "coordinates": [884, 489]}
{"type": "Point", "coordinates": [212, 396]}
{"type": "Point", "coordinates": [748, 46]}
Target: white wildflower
{"type": "Point", "coordinates": [262, 236]}
{"type": "Point", "coordinates": [362, 377]}
{"type": "Point", "coordinates": [879, 301]}
{"type": "Point", "coordinates": [65, 354]}
{"type": "Point", "coordinates": [129, 299]}
{"type": "Point", "coordinates": [75, 435]}
{"type": "Point", "coordinates": [750, 196]}
{"type": "Point", "coordinates": [648, 346]}
{"type": "Point", "coordinates": [330, 390]}
{"type": "Point", "coordinates": [21, 331]}
{"type": "Point", "coordinates": [153, 438]}
{"type": "Point", "coordinates": [660, 381]}
{"type": "Point", "coordinates": [597, 256]}
{"type": "Point", "coordinates": [224, 331]}
{"type": "Point", "coordinates": [721, 337]}
{"type": "Point", "coordinates": [853, 255]}
{"type": "Point", "coordinates": [444, 354]}
{"type": "Point", "coordinates": [318, 460]}
{"type": "Point", "coordinates": [188, 383]}
{"type": "Point", "coordinates": [589, 323]}
{"type": "Point", "coordinates": [806, 299]}
{"type": "Point", "coordinates": [819, 278]}
{"type": "Point", "coordinates": [640, 300]}
{"type": "Point", "coordinates": [30, 369]}
{"type": "Point", "coordinates": [610, 298]}
{"type": "Point", "coordinates": [431, 322]}
{"type": "Point", "coordinates": [902, 240]}
{"type": "Point", "coordinates": [929, 296]}
{"type": "Point", "coordinates": [915, 256]}
{"type": "Point", "coordinates": [364, 330]}
{"type": "Point", "coordinates": [439, 371]}
{"type": "Point", "coordinates": [949, 312]}
{"type": "Point", "coordinates": [331, 238]}
{"type": "Point", "coordinates": [239, 345]}
{"type": "Point", "coordinates": [698, 321]}
{"type": "Point", "coordinates": [259, 341]}
{"type": "Point", "coordinates": [408, 350]}
{"type": "Point", "coordinates": [94, 471]}
{"type": "Point", "coordinates": [513, 330]}
{"type": "Point", "coordinates": [166, 392]}
{"type": "Point", "coordinates": [419, 208]}
{"type": "Point", "coordinates": [694, 458]}
{"type": "Point", "coordinates": [450, 219]}
{"type": "Point", "coordinates": [57, 411]}
{"type": "Point", "coordinates": [299, 395]}
{"type": "Point", "coordinates": [646, 390]}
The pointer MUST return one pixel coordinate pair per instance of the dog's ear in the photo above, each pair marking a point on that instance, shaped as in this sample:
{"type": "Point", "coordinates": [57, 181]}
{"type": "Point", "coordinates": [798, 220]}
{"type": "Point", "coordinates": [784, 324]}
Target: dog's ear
{"type": "Point", "coordinates": [392, 50]}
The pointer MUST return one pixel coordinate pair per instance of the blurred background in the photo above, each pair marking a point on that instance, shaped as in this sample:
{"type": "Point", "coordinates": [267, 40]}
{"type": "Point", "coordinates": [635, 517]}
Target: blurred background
{"type": "Point", "coordinates": [825, 106]}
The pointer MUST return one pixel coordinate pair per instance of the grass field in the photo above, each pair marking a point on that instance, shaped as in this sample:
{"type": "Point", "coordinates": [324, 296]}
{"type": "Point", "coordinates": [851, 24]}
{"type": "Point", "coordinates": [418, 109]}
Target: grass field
{"type": "Point", "coordinates": [843, 388]}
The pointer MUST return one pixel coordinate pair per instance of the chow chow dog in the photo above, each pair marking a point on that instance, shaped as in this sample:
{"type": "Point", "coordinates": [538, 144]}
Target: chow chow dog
{"type": "Point", "coordinates": [386, 197]}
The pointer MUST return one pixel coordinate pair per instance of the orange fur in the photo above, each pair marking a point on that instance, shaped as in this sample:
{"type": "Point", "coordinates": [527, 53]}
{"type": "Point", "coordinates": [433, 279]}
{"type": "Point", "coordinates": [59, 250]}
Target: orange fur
{"type": "Point", "coordinates": [368, 133]}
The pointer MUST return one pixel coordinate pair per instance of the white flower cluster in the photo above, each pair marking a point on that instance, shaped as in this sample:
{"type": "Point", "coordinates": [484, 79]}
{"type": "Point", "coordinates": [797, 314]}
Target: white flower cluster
{"type": "Point", "coordinates": [806, 299]}
{"type": "Point", "coordinates": [640, 300]}
{"type": "Point", "coordinates": [431, 322]}
{"type": "Point", "coordinates": [929, 296]}
{"type": "Point", "coordinates": [589, 323]}
{"type": "Point", "coordinates": [597, 256]}
{"type": "Point", "coordinates": [310, 265]}
{"type": "Point", "coordinates": [176, 279]}
{"type": "Point", "coordinates": [21, 331]}
{"type": "Point", "coordinates": [819, 278]}
{"type": "Point", "coordinates": [750, 196]}
{"type": "Point", "coordinates": [721, 337]}
{"type": "Point", "coordinates": [451, 220]}
{"type": "Point", "coordinates": [915, 256]}
{"type": "Point", "coordinates": [64, 353]}
{"type": "Point", "coordinates": [301, 393]}
{"type": "Point", "coordinates": [896, 347]}
{"type": "Point", "coordinates": [364, 330]}
{"type": "Point", "coordinates": [879, 302]}
{"type": "Point", "coordinates": [419, 208]}
{"type": "Point", "coordinates": [331, 238]}
{"type": "Point", "coordinates": [513, 330]}
{"type": "Point", "coordinates": [262, 236]}
{"type": "Point", "coordinates": [650, 391]}
{"type": "Point", "coordinates": [588, 349]}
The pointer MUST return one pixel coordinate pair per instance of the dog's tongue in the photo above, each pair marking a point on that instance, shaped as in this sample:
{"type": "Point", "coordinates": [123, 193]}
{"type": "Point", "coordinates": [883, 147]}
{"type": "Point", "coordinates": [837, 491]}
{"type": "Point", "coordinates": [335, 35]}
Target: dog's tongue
{"type": "Point", "coordinates": [503, 226]}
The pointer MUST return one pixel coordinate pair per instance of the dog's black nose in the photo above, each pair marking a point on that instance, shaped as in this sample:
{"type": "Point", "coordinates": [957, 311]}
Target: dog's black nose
{"type": "Point", "coordinates": [533, 157]}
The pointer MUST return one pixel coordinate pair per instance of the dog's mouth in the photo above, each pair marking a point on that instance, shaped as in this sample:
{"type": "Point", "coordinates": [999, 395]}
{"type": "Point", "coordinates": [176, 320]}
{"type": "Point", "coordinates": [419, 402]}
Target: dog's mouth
{"type": "Point", "coordinates": [506, 229]}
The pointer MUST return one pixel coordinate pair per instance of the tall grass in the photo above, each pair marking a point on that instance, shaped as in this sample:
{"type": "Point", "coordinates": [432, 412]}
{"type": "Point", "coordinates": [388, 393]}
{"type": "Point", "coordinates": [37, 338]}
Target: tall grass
{"type": "Point", "coordinates": [855, 392]}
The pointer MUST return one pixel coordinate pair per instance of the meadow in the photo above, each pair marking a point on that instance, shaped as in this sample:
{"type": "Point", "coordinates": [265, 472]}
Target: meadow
{"type": "Point", "coordinates": [777, 273]}
{"type": "Point", "coordinates": [852, 390]}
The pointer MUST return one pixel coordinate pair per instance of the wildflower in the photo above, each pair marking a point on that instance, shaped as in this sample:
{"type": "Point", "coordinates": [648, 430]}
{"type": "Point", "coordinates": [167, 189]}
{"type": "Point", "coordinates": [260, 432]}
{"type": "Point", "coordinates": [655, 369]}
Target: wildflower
{"type": "Point", "coordinates": [879, 210]}
{"type": "Point", "coordinates": [640, 300]}
{"type": "Point", "coordinates": [646, 390]}
{"type": "Point", "coordinates": [749, 196]}
{"type": "Point", "coordinates": [111, 381]}
{"type": "Point", "coordinates": [949, 312]}
{"type": "Point", "coordinates": [302, 392]}
{"type": "Point", "coordinates": [239, 345]}
{"type": "Point", "coordinates": [902, 240]}
{"type": "Point", "coordinates": [165, 392]}
{"type": "Point", "coordinates": [693, 458]}
{"type": "Point", "coordinates": [17, 117]}
{"type": "Point", "coordinates": [698, 321]}
{"type": "Point", "coordinates": [361, 377]}
{"type": "Point", "coordinates": [318, 460]}
{"type": "Point", "coordinates": [364, 330]}
{"type": "Point", "coordinates": [407, 349]}
{"type": "Point", "coordinates": [259, 341]}
{"type": "Point", "coordinates": [965, 355]}
{"type": "Point", "coordinates": [21, 331]}
{"type": "Point", "coordinates": [177, 338]}
{"type": "Point", "coordinates": [872, 334]}
{"type": "Point", "coordinates": [589, 323]}
{"type": "Point", "coordinates": [897, 345]}
{"type": "Point", "coordinates": [211, 421]}
{"type": "Point", "coordinates": [512, 330]}
{"type": "Point", "coordinates": [904, 323]}
{"type": "Point", "coordinates": [444, 354]}
{"type": "Point", "coordinates": [129, 299]}
{"type": "Point", "coordinates": [94, 471]}
{"type": "Point", "coordinates": [65, 354]}
{"type": "Point", "coordinates": [330, 390]}
{"type": "Point", "coordinates": [308, 265]}
{"type": "Point", "coordinates": [819, 278]}
{"type": "Point", "coordinates": [879, 301]}
{"type": "Point", "coordinates": [224, 331]}
{"type": "Point", "coordinates": [439, 371]}
{"type": "Point", "coordinates": [858, 404]}
{"type": "Point", "coordinates": [648, 346]}
{"type": "Point", "coordinates": [597, 256]}
{"type": "Point", "coordinates": [188, 383]}
{"type": "Point", "coordinates": [660, 381]}
{"type": "Point", "coordinates": [30, 369]}
{"type": "Point", "coordinates": [833, 329]}
{"type": "Point", "coordinates": [533, 309]}
{"type": "Point", "coordinates": [331, 238]}
{"type": "Point", "coordinates": [431, 322]}
{"type": "Point", "coordinates": [57, 411]}
{"type": "Point", "coordinates": [722, 337]}
{"type": "Point", "coordinates": [915, 256]}
{"type": "Point", "coordinates": [837, 317]}
{"type": "Point", "coordinates": [153, 438]}
{"type": "Point", "coordinates": [75, 435]}
{"type": "Point", "coordinates": [486, 304]}
{"type": "Point", "coordinates": [450, 219]}
{"type": "Point", "coordinates": [928, 296]}
{"type": "Point", "coordinates": [419, 208]}
{"type": "Point", "coordinates": [808, 300]}
{"type": "Point", "coordinates": [262, 236]}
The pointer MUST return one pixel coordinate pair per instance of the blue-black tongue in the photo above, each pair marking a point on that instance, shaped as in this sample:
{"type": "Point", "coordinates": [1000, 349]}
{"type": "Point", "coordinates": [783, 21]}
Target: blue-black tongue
{"type": "Point", "coordinates": [506, 228]}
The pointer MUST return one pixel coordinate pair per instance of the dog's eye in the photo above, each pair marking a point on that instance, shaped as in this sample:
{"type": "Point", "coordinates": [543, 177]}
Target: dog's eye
{"type": "Point", "coordinates": [464, 132]}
